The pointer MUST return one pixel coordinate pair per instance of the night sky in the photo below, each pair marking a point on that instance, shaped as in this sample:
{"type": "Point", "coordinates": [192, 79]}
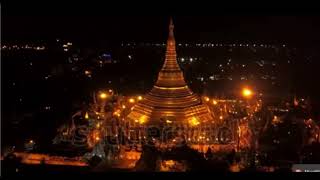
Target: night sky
{"type": "Point", "coordinates": [269, 29]}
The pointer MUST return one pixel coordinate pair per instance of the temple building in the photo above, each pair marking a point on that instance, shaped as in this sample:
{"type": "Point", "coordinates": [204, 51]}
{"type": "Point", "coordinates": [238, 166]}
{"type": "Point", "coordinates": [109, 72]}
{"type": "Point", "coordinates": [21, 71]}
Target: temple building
{"type": "Point", "coordinates": [170, 98]}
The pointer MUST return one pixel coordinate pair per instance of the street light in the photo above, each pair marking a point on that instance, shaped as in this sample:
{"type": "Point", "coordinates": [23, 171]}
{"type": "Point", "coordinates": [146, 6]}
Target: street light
{"type": "Point", "coordinates": [214, 102]}
{"type": "Point", "coordinates": [131, 100]}
{"type": "Point", "coordinates": [103, 95]}
{"type": "Point", "coordinates": [247, 93]}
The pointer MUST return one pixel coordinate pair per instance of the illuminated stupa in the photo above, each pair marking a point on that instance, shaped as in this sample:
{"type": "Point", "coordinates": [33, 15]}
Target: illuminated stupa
{"type": "Point", "coordinates": [170, 98]}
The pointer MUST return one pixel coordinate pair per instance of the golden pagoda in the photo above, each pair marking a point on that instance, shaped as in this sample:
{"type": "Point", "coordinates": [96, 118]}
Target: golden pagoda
{"type": "Point", "coordinates": [170, 98]}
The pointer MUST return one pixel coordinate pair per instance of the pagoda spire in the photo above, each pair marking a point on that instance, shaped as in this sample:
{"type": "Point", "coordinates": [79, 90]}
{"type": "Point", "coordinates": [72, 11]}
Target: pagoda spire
{"type": "Point", "coordinates": [170, 63]}
{"type": "Point", "coordinates": [171, 75]}
{"type": "Point", "coordinates": [171, 28]}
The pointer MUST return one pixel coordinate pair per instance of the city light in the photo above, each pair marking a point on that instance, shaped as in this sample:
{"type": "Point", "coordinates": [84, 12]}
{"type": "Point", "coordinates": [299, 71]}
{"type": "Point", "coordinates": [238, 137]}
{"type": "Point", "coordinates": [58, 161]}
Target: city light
{"type": "Point", "coordinates": [214, 102]}
{"type": "Point", "coordinates": [86, 116]}
{"type": "Point", "coordinates": [168, 121]}
{"type": "Point", "coordinates": [139, 98]}
{"type": "Point", "coordinates": [131, 100]}
{"type": "Point", "coordinates": [207, 99]}
{"type": "Point", "coordinates": [142, 119]}
{"type": "Point", "coordinates": [247, 92]}
{"type": "Point", "coordinates": [194, 121]}
{"type": "Point", "coordinates": [103, 95]}
{"type": "Point", "coordinates": [117, 113]}
{"type": "Point", "coordinates": [276, 120]}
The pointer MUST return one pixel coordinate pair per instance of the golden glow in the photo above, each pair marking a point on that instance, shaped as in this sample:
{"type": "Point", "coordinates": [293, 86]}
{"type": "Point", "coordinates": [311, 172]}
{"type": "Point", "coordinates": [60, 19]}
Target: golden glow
{"type": "Point", "coordinates": [131, 100]}
{"type": "Point", "coordinates": [123, 106]}
{"type": "Point", "coordinates": [87, 72]}
{"type": "Point", "coordinates": [169, 163]}
{"type": "Point", "coordinates": [246, 92]}
{"type": "Point", "coordinates": [110, 91]}
{"type": "Point", "coordinates": [33, 158]}
{"type": "Point", "coordinates": [194, 121]}
{"type": "Point", "coordinates": [170, 88]}
{"type": "Point", "coordinates": [103, 95]}
{"type": "Point", "coordinates": [168, 121]}
{"type": "Point", "coordinates": [276, 120]}
{"type": "Point", "coordinates": [86, 116]}
{"type": "Point", "coordinates": [142, 119]}
{"type": "Point", "coordinates": [31, 141]}
{"type": "Point", "coordinates": [117, 113]}
{"type": "Point", "coordinates": [234, 168]}
{"type": "Point", "coordinates": [221, 117]}
{"type": "Point", "coordinates": [214, 102]}
{"type": "Point", "coordinates": [97, 138]}
{"type": "Point", "coordinates": [207, 99]}
{"type": "Point", "coordinates": [139, 98]}
{"type": "Point", "coordinates": [98, 125]}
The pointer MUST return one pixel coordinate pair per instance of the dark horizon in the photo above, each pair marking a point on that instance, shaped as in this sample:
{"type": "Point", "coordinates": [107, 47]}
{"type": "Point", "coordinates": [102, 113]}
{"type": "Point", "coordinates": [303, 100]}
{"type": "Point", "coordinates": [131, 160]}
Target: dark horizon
{"type": "Point", "coordinates": [294, 30]}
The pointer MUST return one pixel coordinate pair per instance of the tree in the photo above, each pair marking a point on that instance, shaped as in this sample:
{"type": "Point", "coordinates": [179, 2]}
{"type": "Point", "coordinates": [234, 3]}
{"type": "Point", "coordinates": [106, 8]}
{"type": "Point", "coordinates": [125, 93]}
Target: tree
{"type": "Point", "coordinates": [209, 154]}
{"type": "Point", "coordinates": [148, 160]}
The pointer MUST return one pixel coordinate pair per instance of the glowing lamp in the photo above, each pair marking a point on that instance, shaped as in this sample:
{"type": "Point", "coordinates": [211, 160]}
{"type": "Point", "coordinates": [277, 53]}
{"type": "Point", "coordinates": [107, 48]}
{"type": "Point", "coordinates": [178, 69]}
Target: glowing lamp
{"type": "Point", "coordinates": [194, 121]}
{"type": "Point", "coordinates": [87, 72]}
{"type": "Point", "coordinates": [86, 116]}
{"type": "Point", "coordinates": [247, 93]}
{"type": "Point", "coordinates": [214, 102]}
{"type": "Point", "coordinates": [142, 119]}
{"type": "Point", "coordinates": [103, 95]}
